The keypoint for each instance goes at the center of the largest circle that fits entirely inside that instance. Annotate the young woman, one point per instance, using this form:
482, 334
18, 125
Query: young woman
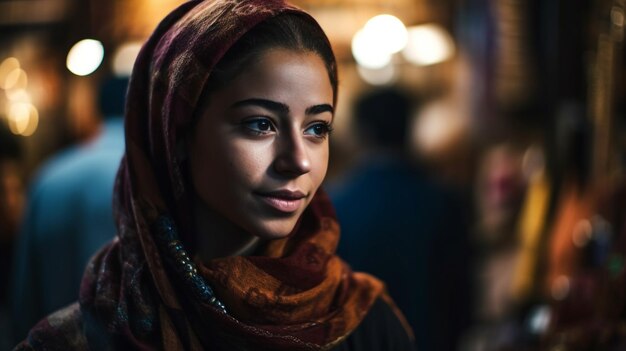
225, 240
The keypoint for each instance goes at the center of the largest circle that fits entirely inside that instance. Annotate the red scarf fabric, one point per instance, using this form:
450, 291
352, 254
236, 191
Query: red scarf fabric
293, 294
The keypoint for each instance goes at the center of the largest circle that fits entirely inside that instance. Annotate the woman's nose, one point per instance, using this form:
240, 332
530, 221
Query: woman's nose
292, 158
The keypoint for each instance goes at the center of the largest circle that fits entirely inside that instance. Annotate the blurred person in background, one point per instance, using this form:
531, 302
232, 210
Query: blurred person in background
11, 204
402, 226
68, 217
499, 191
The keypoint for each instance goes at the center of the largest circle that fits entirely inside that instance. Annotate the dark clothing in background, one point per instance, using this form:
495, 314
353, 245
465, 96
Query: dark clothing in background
69, 216
398, 225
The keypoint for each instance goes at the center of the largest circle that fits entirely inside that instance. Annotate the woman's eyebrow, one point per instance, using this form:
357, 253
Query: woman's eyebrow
317, 109
281, 108
275, 106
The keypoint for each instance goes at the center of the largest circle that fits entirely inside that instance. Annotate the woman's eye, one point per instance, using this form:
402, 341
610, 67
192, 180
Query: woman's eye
319, 130
259, 125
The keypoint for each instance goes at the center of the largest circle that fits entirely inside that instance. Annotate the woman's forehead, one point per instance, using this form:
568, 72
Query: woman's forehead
282, 75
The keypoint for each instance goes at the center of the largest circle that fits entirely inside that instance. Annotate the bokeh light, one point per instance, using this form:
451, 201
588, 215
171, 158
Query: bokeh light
438, 125
560, 288
583, 232
387, 33
15, 80
375, 43
18, 95
124, 58
23, 118
366, 53
428, 44
85, 57
540, 319
7, 66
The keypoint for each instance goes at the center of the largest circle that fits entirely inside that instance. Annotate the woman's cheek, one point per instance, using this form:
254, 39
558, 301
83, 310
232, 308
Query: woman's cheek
250, 161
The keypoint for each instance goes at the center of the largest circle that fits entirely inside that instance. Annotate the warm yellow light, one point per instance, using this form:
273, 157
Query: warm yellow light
33, 122
367, 54
375, 43
428, 44
15, 80
85, 57
17, 95
124, 58
23, 118
7, 66
387, 33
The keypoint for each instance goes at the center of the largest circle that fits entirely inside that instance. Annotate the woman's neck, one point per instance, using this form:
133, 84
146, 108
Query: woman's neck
219, 237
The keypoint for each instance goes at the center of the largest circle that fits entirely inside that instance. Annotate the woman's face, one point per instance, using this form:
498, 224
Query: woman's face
260, 149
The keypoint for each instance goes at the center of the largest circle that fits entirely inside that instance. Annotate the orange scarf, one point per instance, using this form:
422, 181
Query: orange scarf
297, 286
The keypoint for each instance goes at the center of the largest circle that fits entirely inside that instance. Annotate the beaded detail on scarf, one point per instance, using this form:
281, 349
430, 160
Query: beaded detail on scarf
172, 248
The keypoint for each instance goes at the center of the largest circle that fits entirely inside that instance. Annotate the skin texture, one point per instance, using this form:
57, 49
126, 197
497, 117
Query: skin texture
264, 132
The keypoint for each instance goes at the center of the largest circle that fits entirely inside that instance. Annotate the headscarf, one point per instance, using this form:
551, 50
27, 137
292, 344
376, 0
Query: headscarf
143, 291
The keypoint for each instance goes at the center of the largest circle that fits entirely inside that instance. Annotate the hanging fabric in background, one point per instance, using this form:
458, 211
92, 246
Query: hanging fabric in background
586, 276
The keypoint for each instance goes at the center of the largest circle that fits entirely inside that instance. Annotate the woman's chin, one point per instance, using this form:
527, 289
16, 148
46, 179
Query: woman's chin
274, 229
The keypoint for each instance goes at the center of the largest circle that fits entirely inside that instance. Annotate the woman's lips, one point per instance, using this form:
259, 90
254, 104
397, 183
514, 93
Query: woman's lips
283, 200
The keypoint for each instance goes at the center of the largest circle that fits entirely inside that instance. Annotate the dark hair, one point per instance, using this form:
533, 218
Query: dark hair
288, 31
382, 116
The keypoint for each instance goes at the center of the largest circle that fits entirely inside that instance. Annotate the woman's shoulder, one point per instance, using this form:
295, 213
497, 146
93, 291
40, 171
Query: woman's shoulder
62, 330
381, 329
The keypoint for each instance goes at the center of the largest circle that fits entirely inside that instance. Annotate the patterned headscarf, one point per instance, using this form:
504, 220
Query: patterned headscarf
143, 291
